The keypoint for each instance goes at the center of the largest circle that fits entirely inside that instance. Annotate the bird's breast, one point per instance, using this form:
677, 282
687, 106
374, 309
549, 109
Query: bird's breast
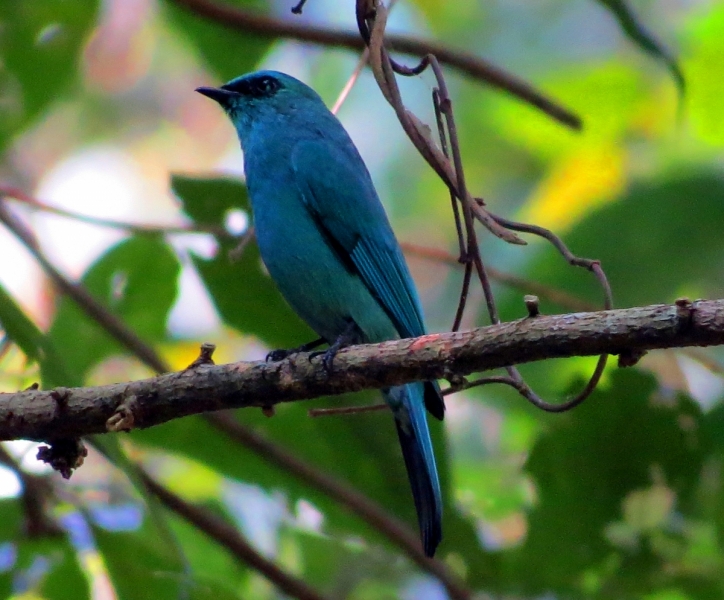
320, 287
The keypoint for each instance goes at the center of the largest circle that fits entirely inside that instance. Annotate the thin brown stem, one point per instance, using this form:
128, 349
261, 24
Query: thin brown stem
361, 64
347, 410
527, 286
18, 195
462, 301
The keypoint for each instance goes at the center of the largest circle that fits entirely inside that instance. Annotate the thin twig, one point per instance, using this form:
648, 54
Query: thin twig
13, 193
517, 381
465, 62
237, 251
361, 64
704, 360
347, 410
371, 20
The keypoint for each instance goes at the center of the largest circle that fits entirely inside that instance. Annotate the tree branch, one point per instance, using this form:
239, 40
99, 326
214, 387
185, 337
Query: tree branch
471, 65
39, 415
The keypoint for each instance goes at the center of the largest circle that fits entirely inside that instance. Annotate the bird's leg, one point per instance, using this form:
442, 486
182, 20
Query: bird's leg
350, 335
277, 355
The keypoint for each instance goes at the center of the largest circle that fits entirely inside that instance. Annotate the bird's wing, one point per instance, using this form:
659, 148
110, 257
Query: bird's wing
340, 196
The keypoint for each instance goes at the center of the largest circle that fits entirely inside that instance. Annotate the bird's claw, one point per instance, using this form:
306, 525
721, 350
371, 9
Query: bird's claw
281, 354
277, 355
327, 357
348, 337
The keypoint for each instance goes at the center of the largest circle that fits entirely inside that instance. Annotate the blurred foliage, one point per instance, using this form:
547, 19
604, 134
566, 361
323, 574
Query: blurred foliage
39, 50
225, 52
621, 498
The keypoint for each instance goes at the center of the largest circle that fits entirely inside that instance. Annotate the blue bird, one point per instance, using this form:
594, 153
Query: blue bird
326, 242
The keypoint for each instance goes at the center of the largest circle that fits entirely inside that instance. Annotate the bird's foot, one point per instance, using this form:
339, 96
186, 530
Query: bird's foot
277, 355
349, 336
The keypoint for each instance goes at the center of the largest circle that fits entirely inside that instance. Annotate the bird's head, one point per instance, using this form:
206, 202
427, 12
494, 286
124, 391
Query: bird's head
260, 96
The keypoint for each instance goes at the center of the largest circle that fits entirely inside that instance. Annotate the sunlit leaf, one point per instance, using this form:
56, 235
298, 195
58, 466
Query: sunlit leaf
705, 95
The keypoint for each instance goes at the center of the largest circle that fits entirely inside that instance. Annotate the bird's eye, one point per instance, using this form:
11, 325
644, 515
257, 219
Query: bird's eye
266, 86
256, 87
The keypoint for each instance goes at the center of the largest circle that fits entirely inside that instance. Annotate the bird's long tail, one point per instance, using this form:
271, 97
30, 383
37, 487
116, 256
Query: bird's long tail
408, 406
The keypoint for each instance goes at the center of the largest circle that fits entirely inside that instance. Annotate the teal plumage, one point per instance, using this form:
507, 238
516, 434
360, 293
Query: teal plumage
326, 242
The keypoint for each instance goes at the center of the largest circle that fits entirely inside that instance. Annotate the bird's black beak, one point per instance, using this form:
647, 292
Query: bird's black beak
221, 96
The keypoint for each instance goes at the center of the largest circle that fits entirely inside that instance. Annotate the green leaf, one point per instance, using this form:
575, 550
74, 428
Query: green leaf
137, 281
243, 293
157, 524
139, 566
34, 343
341, 569
10, 518
228, 52
11, 522
621, 440
208, 558
65, 579
641, 36
40, 46
48, 566
143, 566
